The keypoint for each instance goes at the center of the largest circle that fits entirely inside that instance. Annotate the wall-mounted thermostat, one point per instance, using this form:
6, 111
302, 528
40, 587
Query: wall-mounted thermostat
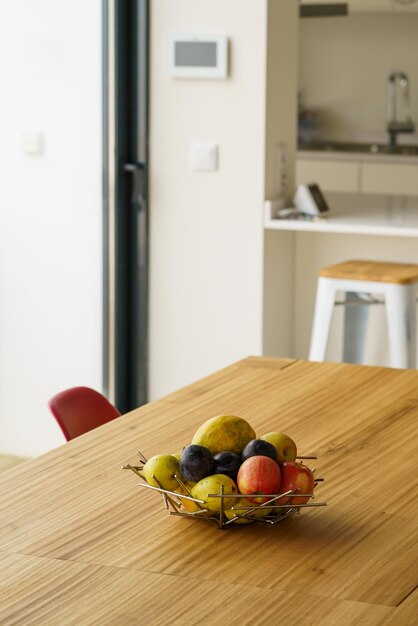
199, 57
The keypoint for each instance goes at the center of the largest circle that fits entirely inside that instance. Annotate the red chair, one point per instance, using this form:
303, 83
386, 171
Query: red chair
80, 409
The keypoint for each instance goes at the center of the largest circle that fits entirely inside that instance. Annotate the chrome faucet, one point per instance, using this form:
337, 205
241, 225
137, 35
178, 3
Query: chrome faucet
395, 126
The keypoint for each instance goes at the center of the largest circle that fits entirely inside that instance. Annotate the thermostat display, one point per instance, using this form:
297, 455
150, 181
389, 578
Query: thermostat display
199, 57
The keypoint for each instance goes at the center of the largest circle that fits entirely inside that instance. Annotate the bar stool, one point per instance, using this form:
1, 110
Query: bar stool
397, 282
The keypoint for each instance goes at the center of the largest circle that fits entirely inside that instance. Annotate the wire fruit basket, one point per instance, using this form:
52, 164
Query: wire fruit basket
273, 508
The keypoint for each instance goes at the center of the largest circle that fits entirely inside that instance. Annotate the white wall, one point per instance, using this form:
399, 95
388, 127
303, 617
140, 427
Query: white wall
207, 243
344, 65
206, 227
50, 213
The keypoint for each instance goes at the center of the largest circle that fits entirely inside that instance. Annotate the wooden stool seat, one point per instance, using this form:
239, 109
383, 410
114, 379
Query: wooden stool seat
375, 271
396, 282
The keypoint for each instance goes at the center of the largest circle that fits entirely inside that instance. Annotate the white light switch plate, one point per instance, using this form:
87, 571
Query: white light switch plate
204, 156
32, 142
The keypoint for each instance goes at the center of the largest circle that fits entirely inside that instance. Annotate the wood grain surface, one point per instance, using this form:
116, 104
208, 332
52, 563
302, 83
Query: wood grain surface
376, 271
81, 543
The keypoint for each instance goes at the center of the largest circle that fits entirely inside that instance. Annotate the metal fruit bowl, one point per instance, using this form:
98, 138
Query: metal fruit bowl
175, 503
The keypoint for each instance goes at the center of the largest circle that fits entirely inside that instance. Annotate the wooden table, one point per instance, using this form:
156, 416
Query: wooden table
81, 543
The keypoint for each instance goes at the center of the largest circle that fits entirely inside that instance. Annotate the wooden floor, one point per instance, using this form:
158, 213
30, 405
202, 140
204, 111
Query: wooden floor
6, 462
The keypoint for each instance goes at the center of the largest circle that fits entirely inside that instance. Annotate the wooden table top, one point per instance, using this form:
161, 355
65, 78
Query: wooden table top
81, 543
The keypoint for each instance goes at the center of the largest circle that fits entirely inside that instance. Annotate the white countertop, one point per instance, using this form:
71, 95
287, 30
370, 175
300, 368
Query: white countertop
352, 213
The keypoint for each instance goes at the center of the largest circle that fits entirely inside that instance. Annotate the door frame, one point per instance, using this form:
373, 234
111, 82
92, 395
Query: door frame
125, 201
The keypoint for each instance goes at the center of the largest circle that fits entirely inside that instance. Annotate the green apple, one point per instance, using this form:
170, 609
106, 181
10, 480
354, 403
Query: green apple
285, 446
160, 469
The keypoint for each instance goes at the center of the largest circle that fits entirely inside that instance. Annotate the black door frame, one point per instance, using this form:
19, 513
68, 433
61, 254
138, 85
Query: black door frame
125, 201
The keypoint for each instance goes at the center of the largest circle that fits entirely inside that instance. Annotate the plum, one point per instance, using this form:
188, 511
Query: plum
196, 462
259, 447
227, 463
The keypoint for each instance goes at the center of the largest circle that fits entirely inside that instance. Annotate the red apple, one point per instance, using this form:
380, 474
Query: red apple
296, 476
258, 475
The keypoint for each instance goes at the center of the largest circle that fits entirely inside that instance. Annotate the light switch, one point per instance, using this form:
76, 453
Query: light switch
32, 142
204, 156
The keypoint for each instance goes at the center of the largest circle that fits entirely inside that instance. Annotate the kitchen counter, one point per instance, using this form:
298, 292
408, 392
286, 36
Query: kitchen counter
359, 214
359, 151
81, 544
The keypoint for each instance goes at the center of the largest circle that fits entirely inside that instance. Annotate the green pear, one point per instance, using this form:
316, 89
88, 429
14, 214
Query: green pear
285, 446
212, 485
160, 469
260, 511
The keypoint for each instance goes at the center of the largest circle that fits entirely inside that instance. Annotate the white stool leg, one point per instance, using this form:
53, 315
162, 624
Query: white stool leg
400, 309
355, 326
324, 307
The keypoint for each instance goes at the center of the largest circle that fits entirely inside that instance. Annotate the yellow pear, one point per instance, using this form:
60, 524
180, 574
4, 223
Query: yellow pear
204, 489
260, 511
160, 469
285, 446
186, 504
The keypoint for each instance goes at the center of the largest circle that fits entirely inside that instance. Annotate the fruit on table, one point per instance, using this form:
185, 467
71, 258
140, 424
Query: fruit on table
285, 446
235, 512
259, 475
196, 462
296, 476
224, 432
163, 467
227, 463
185, 490
225, 456
188, 505
251, 514
212, 485
259, 447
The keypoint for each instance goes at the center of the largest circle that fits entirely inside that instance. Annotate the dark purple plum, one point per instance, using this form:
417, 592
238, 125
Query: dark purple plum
227, 463
259, 447
196, 462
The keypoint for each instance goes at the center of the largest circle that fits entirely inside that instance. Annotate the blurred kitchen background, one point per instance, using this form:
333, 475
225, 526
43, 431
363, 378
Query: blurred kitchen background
344, 65
221, 286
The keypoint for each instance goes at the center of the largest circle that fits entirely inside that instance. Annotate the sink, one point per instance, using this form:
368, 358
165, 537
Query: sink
365, 148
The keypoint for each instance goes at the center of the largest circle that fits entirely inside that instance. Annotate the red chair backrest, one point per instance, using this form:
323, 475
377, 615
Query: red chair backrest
80, 409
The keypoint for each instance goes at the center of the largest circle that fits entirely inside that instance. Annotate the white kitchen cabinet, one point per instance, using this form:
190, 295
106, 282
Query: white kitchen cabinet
364, 176
405, 7
370, 6
382, 6
330, 175
389, 178
320, 2
374, 6
359, 6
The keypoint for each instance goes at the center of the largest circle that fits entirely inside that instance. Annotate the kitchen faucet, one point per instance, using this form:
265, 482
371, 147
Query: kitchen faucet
395, 126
